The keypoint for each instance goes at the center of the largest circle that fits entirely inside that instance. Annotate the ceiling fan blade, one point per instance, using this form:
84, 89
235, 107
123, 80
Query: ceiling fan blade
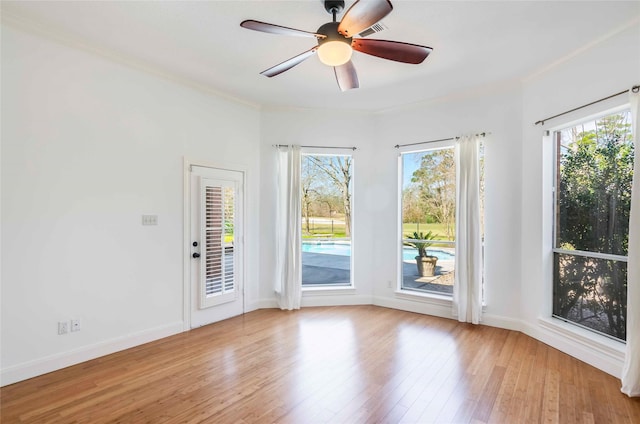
346, 76
392, 50
362, 14
277, 29
289, 63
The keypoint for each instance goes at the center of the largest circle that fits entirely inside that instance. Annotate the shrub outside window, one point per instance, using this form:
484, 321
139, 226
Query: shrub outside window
593, 175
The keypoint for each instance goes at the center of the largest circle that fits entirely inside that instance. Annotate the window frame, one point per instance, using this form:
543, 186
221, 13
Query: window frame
566, 324
400, 291
327, 288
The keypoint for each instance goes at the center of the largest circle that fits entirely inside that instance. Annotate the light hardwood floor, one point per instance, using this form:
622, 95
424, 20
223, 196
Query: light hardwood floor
361, 364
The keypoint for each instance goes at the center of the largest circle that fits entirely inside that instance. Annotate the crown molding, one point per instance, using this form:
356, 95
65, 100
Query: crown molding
550, 66
21, 23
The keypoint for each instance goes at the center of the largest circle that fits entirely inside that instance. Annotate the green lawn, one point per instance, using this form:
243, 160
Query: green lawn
323, 230
338, 230
440, 230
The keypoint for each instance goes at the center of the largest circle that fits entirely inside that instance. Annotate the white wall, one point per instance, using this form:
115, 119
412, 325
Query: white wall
606, 68
322, 128
375, 203
88, 146
498, 113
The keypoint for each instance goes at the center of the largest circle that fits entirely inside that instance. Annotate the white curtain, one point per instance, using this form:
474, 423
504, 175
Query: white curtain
467, 289
288, 284
631, 369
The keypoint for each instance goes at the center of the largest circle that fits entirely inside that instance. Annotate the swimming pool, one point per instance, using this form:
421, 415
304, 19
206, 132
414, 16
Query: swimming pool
344, 249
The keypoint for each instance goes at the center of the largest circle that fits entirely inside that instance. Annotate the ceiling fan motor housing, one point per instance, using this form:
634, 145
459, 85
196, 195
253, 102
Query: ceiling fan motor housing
330, 31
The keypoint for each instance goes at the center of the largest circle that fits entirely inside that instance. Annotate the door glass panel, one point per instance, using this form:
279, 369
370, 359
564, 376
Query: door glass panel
218, 266
228, 242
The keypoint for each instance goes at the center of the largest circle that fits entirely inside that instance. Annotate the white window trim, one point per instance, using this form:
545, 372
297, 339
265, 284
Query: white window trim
313, 290
587, 338
325, 291
593, 340
426, 297
401, 293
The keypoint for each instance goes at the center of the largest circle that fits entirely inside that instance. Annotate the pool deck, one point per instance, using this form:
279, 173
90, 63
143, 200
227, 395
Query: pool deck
320, 269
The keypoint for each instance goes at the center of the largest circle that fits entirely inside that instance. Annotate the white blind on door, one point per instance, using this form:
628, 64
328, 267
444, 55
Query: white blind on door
218, 201
214, 219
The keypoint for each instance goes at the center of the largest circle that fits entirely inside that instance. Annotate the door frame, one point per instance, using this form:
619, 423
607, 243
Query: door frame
186, 232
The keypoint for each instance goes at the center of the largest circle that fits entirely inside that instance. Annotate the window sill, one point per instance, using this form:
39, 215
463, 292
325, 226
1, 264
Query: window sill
424, 297
319, 290
602, 344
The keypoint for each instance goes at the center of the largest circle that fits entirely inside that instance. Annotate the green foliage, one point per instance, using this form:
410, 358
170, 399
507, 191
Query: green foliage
419, 241
432, 196
326, 187
593, 205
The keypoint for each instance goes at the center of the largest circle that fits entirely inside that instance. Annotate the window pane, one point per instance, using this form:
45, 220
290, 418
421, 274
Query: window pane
591, 292
229, 224
428, 221
326, 182
595, 170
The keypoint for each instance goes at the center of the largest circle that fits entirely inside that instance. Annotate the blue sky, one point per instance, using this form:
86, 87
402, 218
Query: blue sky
410, 162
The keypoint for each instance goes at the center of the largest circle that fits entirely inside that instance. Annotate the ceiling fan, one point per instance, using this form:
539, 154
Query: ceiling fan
336, 42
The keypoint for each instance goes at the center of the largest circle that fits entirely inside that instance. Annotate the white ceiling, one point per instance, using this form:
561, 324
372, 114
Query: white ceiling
476, 44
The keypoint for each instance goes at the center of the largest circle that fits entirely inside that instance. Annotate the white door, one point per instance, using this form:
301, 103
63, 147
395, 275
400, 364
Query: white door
216, 244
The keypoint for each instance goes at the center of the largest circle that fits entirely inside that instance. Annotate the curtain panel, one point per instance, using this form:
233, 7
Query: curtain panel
467, 288
631, 369
288, 281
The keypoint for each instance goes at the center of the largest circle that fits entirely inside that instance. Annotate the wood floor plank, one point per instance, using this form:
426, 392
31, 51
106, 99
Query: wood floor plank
351, 364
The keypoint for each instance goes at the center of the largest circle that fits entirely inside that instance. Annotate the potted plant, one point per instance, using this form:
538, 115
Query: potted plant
426, 263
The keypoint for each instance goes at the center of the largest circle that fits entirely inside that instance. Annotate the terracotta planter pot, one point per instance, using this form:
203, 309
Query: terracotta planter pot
426, 265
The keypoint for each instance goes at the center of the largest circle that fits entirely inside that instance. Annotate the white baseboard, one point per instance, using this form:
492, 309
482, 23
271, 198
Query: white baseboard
30, 369
502, 322
261, 304
598, 351
314, 298
427, 306
319, 299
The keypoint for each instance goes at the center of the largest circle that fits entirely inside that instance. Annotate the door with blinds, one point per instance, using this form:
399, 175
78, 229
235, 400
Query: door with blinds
216, 233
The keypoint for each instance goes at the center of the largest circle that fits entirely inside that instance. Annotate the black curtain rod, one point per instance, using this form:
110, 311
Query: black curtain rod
635, 89
319, 147
397, 146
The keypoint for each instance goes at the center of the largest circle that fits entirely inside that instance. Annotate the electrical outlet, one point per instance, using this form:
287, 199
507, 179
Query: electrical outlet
63, 327
388, 284
75, 325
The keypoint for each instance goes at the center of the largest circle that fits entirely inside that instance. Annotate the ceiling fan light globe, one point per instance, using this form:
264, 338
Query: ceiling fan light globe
335, 53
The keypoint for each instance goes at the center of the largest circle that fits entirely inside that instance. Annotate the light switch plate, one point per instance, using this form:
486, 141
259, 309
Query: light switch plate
149, 219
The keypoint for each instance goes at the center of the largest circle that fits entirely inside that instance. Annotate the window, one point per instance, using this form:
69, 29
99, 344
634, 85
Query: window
593, 174
327, 211
428, 215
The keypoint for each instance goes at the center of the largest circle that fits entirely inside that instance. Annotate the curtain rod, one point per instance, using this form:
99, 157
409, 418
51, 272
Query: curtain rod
397, 146
635, 89
318, 147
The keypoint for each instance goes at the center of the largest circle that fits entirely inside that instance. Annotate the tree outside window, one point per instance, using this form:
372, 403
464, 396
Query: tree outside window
594, 171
